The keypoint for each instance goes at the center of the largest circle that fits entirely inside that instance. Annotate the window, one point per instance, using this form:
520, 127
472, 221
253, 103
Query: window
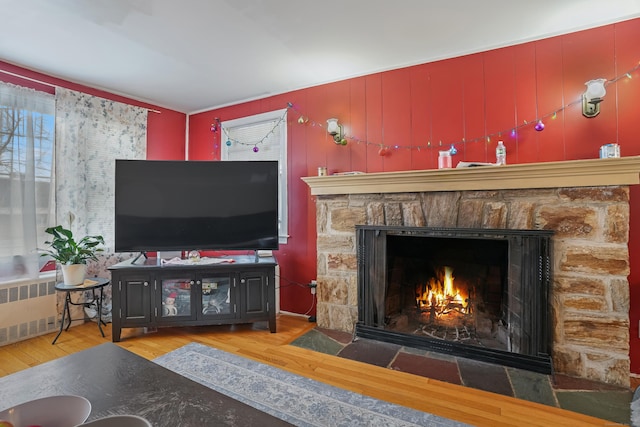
27, 119
261, 137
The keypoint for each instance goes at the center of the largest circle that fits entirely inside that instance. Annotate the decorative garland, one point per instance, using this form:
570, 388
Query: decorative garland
230, 141
384, 149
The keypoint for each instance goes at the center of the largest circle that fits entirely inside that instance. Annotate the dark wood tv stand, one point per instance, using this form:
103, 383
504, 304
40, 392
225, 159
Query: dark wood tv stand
239, 289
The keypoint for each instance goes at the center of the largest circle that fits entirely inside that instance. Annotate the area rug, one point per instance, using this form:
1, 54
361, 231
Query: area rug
635, 408
293, 398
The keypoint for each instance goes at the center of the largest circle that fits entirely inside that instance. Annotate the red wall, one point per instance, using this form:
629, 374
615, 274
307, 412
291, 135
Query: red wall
166, 129
425, 108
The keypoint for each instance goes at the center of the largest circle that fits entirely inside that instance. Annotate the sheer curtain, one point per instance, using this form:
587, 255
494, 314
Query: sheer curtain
91, 133
26, 177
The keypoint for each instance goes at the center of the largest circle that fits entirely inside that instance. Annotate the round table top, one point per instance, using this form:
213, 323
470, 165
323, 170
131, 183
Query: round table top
89, 283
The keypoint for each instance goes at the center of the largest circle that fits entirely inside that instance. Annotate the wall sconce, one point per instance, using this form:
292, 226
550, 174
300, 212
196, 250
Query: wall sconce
592, 97
335, 130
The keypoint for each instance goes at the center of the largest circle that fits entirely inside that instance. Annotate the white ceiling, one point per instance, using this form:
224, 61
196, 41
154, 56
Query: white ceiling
194, 55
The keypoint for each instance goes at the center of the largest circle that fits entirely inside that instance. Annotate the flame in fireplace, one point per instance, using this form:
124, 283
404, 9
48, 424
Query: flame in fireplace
440, 296
448, 282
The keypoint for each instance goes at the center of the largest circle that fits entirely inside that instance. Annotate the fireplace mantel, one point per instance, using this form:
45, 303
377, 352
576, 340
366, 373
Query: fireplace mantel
573, 173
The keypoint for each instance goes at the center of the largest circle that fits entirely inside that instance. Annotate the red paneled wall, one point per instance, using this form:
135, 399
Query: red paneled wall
471, 102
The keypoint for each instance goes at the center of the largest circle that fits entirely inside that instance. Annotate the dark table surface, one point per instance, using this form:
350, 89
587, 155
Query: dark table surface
117, 381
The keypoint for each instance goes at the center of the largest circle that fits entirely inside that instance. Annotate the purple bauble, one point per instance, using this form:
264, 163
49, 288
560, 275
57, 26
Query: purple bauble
256, 149
539, 126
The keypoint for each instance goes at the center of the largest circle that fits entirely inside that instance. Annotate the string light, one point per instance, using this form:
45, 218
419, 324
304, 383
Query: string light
384, 149
215, 124
230, 141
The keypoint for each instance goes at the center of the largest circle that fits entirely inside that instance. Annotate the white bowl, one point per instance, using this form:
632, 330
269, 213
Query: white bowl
53, 411
118, 421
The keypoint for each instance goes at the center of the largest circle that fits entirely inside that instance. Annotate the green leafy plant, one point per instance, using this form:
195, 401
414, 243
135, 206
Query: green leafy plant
65, 250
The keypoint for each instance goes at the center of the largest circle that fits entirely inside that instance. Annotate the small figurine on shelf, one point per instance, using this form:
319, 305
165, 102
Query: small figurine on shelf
169, 306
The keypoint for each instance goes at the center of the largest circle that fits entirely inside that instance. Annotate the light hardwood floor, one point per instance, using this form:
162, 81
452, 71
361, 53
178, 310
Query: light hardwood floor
460, 403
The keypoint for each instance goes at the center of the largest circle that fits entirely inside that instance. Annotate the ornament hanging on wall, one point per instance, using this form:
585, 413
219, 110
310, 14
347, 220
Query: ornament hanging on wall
214, 125
539, 126
253, 145
383, 151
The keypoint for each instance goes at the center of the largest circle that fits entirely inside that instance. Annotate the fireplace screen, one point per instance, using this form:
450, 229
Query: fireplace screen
474, 293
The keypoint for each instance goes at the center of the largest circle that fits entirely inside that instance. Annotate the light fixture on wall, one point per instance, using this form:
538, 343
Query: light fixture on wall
592, 97
335, 130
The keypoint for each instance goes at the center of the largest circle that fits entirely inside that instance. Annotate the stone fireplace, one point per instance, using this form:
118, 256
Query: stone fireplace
585, 204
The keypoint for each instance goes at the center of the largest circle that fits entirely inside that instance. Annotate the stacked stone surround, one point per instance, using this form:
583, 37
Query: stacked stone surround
590, 293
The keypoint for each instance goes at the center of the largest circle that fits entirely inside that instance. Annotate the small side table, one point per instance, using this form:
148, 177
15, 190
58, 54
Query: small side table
91, 284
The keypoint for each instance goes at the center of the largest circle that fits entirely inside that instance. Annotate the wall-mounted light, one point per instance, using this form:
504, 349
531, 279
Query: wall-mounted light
335, 130
592, 97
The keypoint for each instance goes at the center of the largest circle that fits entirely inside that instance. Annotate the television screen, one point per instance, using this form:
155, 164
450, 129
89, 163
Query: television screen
187, 205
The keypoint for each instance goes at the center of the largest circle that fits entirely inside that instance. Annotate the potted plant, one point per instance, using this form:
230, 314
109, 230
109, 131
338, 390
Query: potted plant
71, 254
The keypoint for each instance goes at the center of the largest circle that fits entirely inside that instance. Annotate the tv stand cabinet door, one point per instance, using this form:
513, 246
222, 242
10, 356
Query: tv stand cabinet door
258, 297
134, 297
175, 301
218, 298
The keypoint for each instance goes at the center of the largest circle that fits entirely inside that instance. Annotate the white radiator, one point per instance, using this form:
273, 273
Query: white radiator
27, 309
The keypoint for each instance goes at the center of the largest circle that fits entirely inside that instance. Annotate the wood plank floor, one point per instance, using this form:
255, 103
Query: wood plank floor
460, 403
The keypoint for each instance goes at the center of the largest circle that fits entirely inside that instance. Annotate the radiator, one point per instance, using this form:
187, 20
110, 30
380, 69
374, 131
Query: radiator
27, 309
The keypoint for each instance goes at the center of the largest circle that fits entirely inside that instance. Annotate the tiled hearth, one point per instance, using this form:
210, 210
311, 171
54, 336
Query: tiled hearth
592, 398
586, 204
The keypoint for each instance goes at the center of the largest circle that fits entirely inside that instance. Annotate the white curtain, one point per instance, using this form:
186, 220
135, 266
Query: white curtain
91, 133
26, 175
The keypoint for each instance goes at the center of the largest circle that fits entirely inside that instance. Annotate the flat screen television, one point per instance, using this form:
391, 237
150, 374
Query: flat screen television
195, 205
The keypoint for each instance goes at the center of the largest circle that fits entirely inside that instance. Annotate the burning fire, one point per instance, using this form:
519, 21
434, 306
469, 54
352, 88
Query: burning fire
441, 296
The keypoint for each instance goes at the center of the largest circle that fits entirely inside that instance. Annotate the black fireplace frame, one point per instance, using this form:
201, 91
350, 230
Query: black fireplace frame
529, 285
